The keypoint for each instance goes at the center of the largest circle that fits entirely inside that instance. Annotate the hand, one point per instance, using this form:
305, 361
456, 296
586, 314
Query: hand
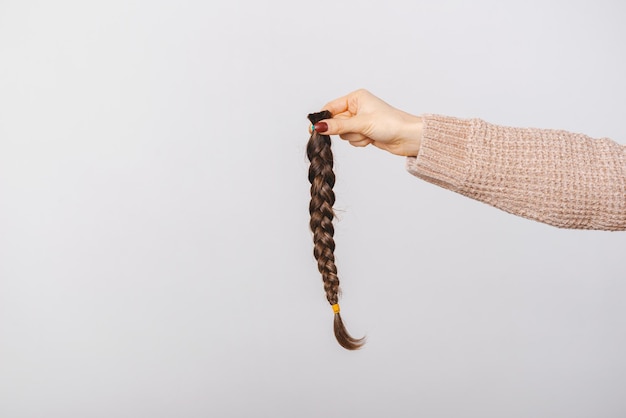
362, 119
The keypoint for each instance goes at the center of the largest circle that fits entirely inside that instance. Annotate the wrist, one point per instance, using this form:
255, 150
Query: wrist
412, 135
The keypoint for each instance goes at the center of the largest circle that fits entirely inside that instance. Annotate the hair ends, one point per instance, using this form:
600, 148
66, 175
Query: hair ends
343, 338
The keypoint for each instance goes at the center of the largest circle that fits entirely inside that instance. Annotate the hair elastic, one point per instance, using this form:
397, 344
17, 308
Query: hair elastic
335, 308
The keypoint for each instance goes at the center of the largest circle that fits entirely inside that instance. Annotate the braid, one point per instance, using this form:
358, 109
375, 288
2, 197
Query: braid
322, 179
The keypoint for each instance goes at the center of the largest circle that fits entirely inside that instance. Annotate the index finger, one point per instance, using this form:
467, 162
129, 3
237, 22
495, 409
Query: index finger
337, 106
348, 103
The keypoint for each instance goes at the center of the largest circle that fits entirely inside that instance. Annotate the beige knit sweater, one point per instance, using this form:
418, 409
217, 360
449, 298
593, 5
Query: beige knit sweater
560, 178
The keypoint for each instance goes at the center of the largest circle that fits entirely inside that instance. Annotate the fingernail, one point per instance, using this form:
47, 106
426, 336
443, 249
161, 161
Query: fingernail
321, 127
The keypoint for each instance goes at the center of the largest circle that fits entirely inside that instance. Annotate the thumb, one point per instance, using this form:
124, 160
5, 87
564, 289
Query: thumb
338, 126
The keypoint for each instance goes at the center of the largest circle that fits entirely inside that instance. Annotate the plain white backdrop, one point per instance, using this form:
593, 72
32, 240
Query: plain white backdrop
155, 258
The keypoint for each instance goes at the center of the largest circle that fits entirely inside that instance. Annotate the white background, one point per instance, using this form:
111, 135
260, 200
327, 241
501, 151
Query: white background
155, 258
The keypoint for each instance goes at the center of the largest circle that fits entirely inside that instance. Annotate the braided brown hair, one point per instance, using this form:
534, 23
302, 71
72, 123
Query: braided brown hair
322, 179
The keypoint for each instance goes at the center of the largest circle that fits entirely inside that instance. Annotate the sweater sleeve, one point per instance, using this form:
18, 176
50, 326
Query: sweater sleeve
560, 178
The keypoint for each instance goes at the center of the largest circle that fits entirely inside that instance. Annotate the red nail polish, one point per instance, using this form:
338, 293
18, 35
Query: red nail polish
321, 127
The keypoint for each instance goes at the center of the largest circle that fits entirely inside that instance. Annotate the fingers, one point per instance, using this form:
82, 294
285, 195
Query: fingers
336, 126
346, 121
337, 106
353, 137
362, 143
348, 103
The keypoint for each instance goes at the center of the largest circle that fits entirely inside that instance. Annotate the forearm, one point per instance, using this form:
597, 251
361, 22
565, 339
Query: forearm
556, 177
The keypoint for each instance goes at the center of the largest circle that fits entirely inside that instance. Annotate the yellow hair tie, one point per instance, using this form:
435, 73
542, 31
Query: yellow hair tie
335, 308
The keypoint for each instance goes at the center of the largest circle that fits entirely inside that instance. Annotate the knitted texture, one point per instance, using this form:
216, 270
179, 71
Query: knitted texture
560, 178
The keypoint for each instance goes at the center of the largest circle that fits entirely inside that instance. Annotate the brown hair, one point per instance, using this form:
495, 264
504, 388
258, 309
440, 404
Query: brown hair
322, 179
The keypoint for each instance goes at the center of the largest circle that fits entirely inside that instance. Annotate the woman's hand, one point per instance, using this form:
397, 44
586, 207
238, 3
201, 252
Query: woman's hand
362, 119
